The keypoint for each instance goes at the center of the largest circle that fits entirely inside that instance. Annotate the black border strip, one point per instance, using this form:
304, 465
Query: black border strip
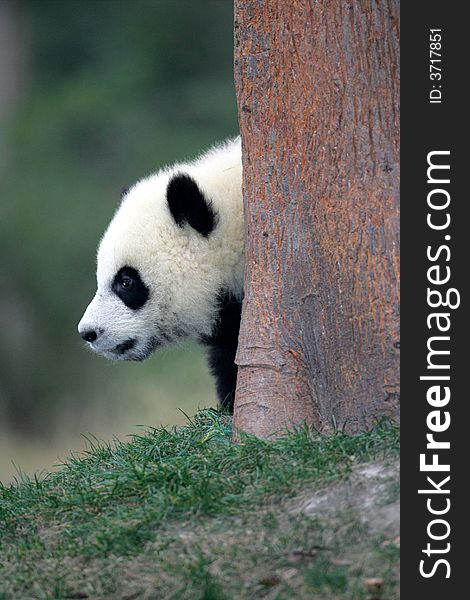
427, 127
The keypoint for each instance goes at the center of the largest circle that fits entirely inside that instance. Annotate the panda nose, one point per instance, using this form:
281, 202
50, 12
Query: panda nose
89, 335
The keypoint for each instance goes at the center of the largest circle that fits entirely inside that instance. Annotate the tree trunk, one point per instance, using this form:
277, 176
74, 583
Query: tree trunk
318, 92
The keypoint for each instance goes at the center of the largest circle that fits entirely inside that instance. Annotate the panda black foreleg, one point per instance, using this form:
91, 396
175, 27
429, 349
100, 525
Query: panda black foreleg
222, 366
222, 347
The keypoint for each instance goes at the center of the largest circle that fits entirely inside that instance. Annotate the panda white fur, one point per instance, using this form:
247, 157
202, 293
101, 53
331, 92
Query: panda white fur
170, 266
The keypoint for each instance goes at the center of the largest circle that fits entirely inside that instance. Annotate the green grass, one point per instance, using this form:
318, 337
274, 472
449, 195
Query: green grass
186, 513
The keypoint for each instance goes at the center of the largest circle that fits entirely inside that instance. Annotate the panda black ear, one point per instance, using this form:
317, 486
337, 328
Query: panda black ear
188, 204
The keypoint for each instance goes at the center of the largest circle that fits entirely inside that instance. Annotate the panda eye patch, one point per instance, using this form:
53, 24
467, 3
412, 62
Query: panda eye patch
130, 288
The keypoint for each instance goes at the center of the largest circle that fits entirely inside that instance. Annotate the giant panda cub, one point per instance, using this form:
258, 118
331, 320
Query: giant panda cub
170, 266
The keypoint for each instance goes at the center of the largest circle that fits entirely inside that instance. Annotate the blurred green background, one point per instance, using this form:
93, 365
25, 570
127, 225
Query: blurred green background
94, 94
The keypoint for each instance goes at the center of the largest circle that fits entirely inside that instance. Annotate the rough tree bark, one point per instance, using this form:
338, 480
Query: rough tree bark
318, 91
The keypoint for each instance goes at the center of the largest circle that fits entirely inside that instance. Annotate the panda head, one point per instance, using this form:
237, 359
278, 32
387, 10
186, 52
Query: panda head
174, 243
